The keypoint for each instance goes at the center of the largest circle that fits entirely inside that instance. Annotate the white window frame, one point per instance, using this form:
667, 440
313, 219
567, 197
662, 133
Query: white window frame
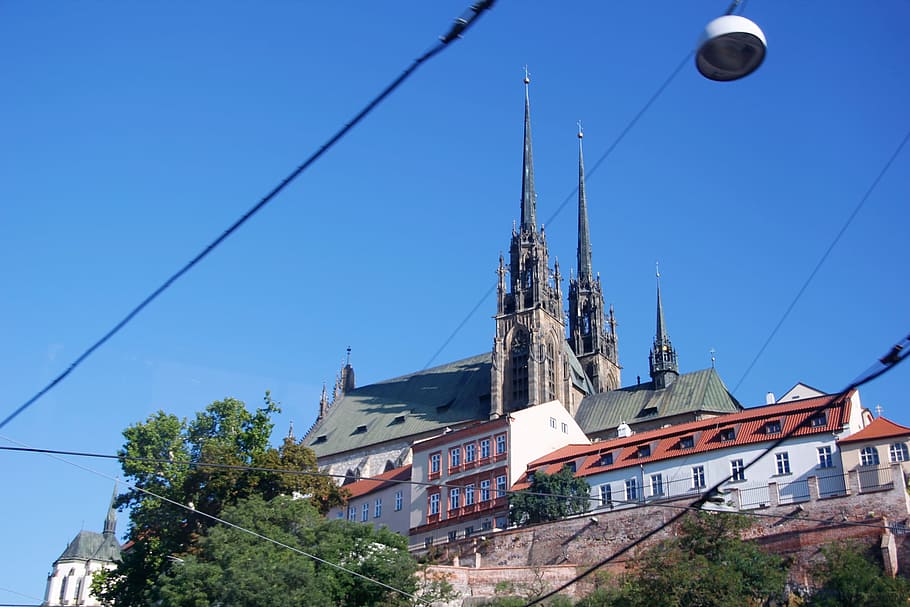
698, 477
782, 461
825, 457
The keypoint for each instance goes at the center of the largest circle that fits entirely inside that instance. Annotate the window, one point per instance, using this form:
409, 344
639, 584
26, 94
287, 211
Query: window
428, 542
484, 491
486, 524
352, 513
519, 368
485, 448
571, 466
819, 419
565, 428
454, 498
698, 477
551, 373
398, 420
500, 486
657, 484
605, 460
632, 489
783, 462
553, 422
469, 495
360, 430
726, 434
737, 470
455, 457
470, 453
468, 531
398, 500
898, 452
453, 535
365, 512
434, 503
644, 450
434, 463
824, 458
687, 442
869, 456
772, 427
606, 495
500, 444
377, 508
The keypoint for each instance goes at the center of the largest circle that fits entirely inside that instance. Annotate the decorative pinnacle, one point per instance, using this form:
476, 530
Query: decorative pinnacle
657, 269
527, 75
581, 132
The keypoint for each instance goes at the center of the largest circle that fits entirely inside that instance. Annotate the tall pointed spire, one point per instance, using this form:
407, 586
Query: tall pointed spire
663, 363
585, 275
528, 195
110, 521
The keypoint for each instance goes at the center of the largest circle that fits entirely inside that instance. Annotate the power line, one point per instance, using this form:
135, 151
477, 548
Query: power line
232, 525
897, 354
823, 258
461, 25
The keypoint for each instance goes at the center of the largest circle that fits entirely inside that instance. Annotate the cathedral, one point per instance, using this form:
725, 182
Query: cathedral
542, 352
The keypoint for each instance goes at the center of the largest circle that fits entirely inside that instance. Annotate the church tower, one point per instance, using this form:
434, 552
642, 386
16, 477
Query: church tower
664, 368
592, 334
529, 358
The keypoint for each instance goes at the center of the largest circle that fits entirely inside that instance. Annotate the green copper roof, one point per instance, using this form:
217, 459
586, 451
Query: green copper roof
400, 408
89, 545
701, 391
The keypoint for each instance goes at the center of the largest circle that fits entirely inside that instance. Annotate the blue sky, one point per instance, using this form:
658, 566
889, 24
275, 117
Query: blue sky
131, 134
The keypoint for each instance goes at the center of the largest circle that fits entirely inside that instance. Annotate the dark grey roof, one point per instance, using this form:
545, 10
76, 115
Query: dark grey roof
89, 545
700, 391
406, 406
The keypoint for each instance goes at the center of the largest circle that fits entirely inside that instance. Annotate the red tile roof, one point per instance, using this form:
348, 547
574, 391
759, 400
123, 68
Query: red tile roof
367, 486
879, 428
748, 426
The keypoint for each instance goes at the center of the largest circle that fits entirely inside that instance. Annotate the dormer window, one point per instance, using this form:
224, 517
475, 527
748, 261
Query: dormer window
726, 434
360, 430
818, 419
644, 451
605, 460
320, 439
398, 420
570, 466
772, 427
686, 442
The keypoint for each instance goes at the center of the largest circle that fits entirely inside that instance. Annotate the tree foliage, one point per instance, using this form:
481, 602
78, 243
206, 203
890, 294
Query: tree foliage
235, 568
848, 577
549, 498
163, 455
706, 565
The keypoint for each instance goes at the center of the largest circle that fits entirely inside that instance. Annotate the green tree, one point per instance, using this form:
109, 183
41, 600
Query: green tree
850, 578
164, 456
550, 497
706, 565
232, 567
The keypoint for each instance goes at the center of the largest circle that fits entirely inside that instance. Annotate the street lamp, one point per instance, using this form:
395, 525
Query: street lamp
730, 48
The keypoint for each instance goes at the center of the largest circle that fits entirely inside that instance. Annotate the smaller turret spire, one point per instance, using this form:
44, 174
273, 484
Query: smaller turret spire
528, 195
663, 363
110, 521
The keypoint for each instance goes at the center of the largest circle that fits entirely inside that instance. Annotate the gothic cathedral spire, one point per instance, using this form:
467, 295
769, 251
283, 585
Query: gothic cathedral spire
528, 350
663, 364
592, 334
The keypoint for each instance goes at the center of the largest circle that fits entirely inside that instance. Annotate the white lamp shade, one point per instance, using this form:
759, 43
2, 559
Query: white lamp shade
730, 47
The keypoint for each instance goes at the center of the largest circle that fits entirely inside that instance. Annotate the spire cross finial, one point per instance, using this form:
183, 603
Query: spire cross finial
713, 358
581, 131
878, 410
527, 75
657, 269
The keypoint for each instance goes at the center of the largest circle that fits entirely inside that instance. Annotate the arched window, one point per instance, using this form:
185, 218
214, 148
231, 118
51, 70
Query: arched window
389, 465
869, 456
349, 477
551, 371
519, 368
898, 452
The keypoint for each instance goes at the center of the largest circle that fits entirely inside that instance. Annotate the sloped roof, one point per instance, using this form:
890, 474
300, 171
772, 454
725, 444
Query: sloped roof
90, 545
879, 428
700, 391
400, 408
381, 481
749, 426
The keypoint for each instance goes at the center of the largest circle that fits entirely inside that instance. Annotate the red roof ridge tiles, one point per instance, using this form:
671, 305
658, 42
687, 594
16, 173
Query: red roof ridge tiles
877, 428
380, 481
